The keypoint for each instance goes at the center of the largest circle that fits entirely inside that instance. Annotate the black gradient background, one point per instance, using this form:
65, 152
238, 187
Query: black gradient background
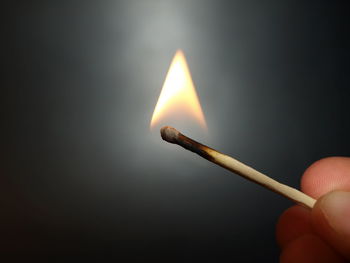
81, 174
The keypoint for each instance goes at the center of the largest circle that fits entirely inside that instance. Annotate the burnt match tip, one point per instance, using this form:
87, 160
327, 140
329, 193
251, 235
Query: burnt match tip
169, 134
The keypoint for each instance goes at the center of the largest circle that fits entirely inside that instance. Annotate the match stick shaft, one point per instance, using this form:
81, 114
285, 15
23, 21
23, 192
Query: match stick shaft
237, 167
248, 172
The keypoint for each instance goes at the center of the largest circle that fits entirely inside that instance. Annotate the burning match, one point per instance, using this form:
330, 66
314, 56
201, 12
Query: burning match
172, 135
178, 94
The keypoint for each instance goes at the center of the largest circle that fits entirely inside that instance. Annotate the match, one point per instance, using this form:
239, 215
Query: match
172, 135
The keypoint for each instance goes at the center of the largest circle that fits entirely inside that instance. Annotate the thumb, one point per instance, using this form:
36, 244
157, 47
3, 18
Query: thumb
330, 219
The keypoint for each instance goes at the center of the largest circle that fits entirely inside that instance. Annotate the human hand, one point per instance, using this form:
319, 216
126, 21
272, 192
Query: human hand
323, 233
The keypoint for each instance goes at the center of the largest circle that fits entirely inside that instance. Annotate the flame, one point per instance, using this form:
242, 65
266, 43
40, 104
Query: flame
178, 95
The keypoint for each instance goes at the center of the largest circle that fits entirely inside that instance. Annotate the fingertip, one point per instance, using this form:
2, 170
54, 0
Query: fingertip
330, 220
293, 223
326, 175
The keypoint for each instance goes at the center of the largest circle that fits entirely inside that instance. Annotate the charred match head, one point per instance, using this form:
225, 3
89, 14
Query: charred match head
169, 134
172, 135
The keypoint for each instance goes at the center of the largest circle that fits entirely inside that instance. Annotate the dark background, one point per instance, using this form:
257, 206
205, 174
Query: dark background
81, 173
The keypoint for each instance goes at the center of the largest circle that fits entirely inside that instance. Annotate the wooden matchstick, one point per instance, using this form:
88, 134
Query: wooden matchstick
172, 135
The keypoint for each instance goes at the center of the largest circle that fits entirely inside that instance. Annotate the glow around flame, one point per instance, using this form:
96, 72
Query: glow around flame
178, 95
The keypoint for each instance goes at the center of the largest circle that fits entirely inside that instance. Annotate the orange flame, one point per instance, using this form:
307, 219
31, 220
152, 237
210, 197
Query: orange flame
178, 95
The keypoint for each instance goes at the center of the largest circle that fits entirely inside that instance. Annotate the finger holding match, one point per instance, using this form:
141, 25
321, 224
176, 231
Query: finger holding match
172, 135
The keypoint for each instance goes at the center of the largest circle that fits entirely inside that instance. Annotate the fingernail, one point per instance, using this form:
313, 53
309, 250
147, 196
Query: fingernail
336, 208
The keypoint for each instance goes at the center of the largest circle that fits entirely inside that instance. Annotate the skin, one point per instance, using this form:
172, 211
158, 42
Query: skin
323, 233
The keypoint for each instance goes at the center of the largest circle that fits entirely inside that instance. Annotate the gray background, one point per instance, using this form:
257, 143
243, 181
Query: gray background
83, 175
